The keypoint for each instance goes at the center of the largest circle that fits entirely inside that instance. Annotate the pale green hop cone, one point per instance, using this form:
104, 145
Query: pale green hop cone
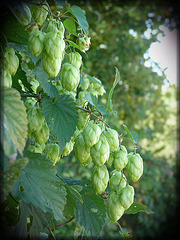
134, 167
100, 178
36, 42
126, 196
100, 151
112, 138
120, 158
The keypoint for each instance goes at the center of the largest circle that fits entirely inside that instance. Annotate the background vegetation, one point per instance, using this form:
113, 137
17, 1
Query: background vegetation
117, 34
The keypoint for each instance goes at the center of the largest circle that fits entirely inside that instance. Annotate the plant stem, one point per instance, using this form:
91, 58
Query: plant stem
61, 224
51, 232
29, 95
91, 113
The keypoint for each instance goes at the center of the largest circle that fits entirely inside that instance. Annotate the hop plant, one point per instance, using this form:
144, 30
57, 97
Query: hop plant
120, 158
42, 135
36, 42
74, 58
134, 167
82, 152
91, 134
100, 151
112, 138
54, 45
51, 66
30, 102
39, 13
11, 61
52, 152
100, 178
114, 208
84, 43
70, 76
126, 196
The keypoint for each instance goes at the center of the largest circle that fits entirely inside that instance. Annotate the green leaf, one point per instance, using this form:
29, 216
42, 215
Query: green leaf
70, 26
15, 121
138, 207
14, 31
117, 79
79, 14
92, 213
43, 79
64, 112
60, 3
39, 186
40, 221
10, 174
132, 134
93, 79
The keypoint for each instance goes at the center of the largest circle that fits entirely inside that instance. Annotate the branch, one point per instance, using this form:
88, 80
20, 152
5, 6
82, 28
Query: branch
61, 224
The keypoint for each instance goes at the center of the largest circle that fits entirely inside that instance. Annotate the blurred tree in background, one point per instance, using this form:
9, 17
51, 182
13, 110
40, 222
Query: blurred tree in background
117, 30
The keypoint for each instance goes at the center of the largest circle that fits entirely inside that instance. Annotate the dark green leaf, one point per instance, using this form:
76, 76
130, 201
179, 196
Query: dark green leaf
79, 14
91, 99
64, 112
70, 26
43, 79
39, 186
60, 3
92, 213
15, 121
40, 220
138, 207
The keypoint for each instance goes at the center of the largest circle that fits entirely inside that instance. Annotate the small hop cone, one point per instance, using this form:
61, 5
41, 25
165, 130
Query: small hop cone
126, 196
112, 138
115, 180
91, 134
39, 13
36, 42
52, 152
82, 152
74, 58
100, 178
11, 61
70, 76
100, 151
120, 158
42, 135
51, 66
134, 167
84, 43
54, 45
